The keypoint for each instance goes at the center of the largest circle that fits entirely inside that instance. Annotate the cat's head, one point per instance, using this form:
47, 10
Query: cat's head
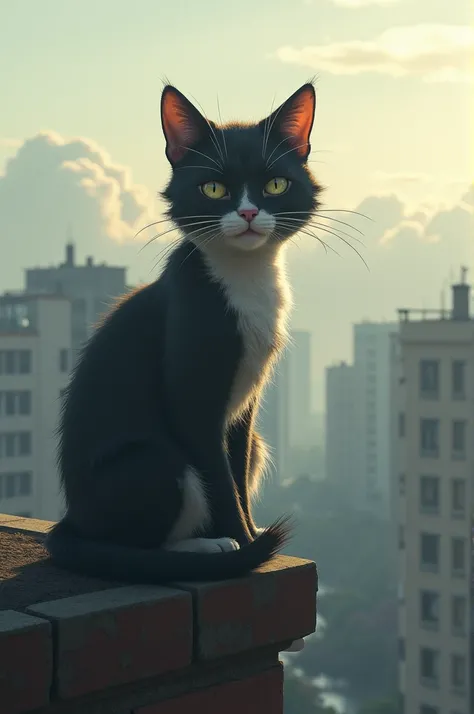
243, 186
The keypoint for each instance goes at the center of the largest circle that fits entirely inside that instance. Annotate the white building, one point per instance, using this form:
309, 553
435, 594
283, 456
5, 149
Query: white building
91, 288
341, 446
359, 416
35, 353
435, 487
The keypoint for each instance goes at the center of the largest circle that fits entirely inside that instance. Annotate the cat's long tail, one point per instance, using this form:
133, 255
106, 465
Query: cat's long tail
157, 566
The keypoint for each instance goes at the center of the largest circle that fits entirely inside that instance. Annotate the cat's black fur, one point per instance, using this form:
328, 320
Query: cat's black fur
149, 395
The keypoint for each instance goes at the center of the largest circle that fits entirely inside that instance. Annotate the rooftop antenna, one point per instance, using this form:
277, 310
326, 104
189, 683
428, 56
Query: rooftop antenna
464, 271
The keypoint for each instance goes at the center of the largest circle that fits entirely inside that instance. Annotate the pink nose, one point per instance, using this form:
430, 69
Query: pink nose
248, 214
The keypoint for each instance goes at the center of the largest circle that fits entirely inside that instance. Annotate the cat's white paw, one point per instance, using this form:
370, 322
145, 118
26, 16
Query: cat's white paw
205, 545
296, 646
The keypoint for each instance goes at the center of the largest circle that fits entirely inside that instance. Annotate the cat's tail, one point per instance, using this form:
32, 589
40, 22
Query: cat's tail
70, 551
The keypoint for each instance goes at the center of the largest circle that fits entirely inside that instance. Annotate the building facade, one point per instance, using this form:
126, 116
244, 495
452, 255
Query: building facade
435, 507
35, 356
91, 287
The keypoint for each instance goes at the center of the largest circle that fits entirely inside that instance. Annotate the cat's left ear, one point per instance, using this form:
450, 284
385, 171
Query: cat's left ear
294, 120
183, 125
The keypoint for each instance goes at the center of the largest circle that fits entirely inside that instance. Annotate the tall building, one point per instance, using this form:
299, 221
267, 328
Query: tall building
359, 417
299, 387
35, 353
91, 288
340, 432
435, 507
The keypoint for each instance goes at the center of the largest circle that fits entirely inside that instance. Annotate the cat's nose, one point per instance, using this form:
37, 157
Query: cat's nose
248, 214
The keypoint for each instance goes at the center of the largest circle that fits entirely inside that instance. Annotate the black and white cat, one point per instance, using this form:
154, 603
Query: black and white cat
158, 452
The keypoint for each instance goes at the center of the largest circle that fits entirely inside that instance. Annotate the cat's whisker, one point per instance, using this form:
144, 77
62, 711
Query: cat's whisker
176, 228
168, 220
341, 238
265, 127
221, 128
270, 127
295, 148
276, 147
206, 156
213, 133
209, 168
342, 210
337, 231
325, 245
201, 244
165, 252
320, 215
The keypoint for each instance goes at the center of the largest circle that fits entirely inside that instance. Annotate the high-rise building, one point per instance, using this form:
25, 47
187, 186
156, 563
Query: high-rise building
435, 507
91, 287
35, 354
359, 418
299, 389
341, 447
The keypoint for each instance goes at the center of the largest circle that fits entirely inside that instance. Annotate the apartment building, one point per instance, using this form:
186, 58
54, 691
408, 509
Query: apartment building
91, 288
359, 419
435, 464
35, 354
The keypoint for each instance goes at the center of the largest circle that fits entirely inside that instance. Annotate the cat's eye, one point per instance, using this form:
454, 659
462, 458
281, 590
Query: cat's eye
276, 186
214, 189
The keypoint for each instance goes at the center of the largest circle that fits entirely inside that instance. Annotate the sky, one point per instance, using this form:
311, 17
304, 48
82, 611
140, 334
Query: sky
82, 152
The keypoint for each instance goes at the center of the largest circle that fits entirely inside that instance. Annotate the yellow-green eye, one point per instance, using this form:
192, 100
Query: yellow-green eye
276, 186
214, 189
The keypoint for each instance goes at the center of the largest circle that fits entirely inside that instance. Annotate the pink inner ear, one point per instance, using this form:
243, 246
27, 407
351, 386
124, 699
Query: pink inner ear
178, 127
297, 122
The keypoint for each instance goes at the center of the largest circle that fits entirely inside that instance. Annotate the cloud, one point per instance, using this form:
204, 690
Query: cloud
52, 186
7, 142
433, 52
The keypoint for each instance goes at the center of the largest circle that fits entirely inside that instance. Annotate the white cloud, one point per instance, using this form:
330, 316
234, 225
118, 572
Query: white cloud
53, 184
434, 52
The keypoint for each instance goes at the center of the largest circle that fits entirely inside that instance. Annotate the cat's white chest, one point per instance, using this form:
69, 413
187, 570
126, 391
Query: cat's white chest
259, 294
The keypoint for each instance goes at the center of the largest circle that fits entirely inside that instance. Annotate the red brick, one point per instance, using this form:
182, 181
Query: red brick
26, 657
116, 636
275, 604
260, 694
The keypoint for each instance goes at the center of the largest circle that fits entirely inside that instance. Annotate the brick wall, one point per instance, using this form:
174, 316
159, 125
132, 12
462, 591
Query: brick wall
76, 645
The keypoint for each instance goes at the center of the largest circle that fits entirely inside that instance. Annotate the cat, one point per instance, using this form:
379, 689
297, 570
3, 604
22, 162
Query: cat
158, 453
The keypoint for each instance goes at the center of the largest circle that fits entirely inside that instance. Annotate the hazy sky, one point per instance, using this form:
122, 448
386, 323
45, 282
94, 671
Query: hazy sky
80, 83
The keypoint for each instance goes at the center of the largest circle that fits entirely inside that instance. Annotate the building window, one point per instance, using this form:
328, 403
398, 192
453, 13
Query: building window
429, 609
429, 438
15, 403
401, 649
63, 360
24, 403
458, 379
429, 555
15, 443
458, 444
458, 671
458, 557
15, 484
401, 425
15, 362
429, 378
429, 665
458, 497
402, 484
429, 494
401, 538
428, 709
458, 615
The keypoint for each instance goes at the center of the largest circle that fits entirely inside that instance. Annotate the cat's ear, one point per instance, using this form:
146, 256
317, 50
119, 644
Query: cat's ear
294, 120
183, 125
